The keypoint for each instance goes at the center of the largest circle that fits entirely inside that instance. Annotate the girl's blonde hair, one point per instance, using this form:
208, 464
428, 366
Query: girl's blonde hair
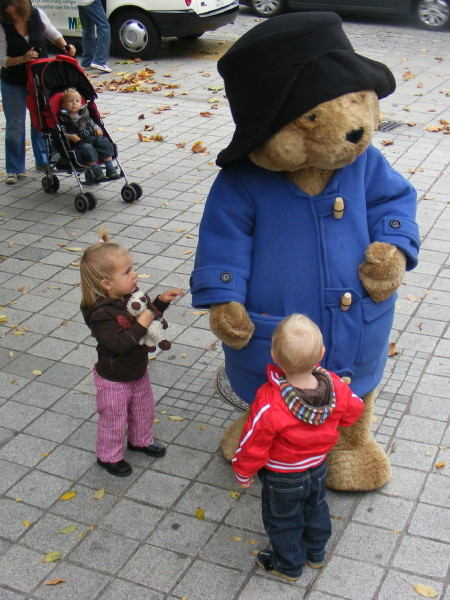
97, 263
297, 344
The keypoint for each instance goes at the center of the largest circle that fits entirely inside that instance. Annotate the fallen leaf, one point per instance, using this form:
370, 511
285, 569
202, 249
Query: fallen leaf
387, 142
150, 138
236, 538
55, 582
68, 495
392, 350
53, 287
181, 145
91, 528
10, 354
75, 264
143, 276
164, 412
18, 332
26, 523
200, 312
397, 531
198, 148
420, 84
156, 420
440, 464
393, 448
425, 591
70, 249
69, 529
252, 542
44, 454
202, 427
149, 127
175, 418
206, 114
200, 514
140, 117
98, 495
410, 297
442, 447
186, 252
36, 372
234, 495
3, 318
52, 556
408, 75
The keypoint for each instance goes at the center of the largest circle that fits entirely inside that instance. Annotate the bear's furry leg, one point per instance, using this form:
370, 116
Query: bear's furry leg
357, 463
232, 434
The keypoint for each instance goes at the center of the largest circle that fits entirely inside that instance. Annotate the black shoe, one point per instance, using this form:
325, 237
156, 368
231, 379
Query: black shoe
155, 449
99, 176
264, 560
112, 173
119, 469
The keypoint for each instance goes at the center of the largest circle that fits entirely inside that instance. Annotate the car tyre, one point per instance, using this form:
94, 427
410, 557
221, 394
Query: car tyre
134, 35
433, 14
268, 8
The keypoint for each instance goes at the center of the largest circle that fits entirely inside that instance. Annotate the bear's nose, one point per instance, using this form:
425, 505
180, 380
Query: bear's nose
355, 135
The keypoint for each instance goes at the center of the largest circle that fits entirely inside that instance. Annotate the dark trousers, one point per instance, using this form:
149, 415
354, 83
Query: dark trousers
97, 148
296, 517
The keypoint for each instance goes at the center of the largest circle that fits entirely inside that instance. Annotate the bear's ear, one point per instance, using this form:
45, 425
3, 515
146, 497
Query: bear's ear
284, 151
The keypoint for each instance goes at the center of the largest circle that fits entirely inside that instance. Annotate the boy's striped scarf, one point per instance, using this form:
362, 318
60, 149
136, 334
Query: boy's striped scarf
314, 415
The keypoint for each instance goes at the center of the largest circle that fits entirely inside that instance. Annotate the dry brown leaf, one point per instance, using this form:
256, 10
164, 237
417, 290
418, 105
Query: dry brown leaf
150, 138
140, 117
408, 75
440, 465
36, 372
206, 114
175, 418
187, 252
181, 145
72, 249
387, 142
198, 148
410, 297
149, 127
55, 582
392, 350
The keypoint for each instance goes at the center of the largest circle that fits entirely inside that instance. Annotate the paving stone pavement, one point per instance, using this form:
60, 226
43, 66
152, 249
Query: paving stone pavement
142, 539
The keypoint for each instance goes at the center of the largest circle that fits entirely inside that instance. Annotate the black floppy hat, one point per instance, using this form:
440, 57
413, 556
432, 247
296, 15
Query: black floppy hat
285, 66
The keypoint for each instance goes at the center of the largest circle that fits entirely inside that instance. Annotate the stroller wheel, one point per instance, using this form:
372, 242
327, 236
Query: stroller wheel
137, 188
50, 185
91, 200
81, 203
128, 194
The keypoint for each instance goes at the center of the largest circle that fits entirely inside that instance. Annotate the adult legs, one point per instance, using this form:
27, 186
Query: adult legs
38, 147
95, 15
14, 107
87, 36
141, 413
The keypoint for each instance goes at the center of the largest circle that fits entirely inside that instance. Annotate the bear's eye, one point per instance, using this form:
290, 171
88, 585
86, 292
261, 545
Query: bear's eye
311, 117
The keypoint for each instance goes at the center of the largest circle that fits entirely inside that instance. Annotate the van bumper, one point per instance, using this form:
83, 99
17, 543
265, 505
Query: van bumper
183, 23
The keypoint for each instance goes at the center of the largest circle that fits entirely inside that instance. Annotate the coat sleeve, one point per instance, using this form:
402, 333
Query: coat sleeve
224, 252
256, 440
391, 207
107, 331
353, 403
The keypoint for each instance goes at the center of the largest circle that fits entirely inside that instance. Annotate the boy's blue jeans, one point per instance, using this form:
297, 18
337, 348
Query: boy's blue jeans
296, 517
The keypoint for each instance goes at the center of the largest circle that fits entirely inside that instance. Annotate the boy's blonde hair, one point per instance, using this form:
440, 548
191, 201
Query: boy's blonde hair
67, 92
98, 263
297, 344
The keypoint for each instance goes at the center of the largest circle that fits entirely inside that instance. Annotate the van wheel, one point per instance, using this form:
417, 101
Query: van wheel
135, 35
433, 14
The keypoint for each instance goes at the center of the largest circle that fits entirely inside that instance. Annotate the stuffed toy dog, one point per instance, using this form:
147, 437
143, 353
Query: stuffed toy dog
137, 302
306, 216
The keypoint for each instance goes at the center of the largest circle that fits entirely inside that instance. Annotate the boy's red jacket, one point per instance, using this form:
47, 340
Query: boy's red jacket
274, 438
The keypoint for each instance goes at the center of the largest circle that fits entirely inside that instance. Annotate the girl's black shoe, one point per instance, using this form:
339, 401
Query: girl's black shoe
119, 469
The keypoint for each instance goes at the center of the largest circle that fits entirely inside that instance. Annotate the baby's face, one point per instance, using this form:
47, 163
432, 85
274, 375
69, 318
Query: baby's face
72, 103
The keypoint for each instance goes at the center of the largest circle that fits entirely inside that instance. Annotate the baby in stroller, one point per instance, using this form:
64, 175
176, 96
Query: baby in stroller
84, 135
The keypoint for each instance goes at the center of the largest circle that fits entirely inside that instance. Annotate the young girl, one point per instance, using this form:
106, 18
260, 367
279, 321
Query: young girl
124, 393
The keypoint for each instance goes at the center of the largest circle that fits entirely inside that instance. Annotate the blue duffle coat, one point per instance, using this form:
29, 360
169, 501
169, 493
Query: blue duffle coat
264, 243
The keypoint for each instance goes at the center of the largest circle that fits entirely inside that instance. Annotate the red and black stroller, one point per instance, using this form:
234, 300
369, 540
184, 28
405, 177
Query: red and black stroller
47, 78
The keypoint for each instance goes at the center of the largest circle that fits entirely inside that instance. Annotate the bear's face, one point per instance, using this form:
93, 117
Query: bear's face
330, 136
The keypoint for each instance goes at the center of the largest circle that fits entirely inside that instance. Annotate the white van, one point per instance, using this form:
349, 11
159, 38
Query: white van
137, 26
